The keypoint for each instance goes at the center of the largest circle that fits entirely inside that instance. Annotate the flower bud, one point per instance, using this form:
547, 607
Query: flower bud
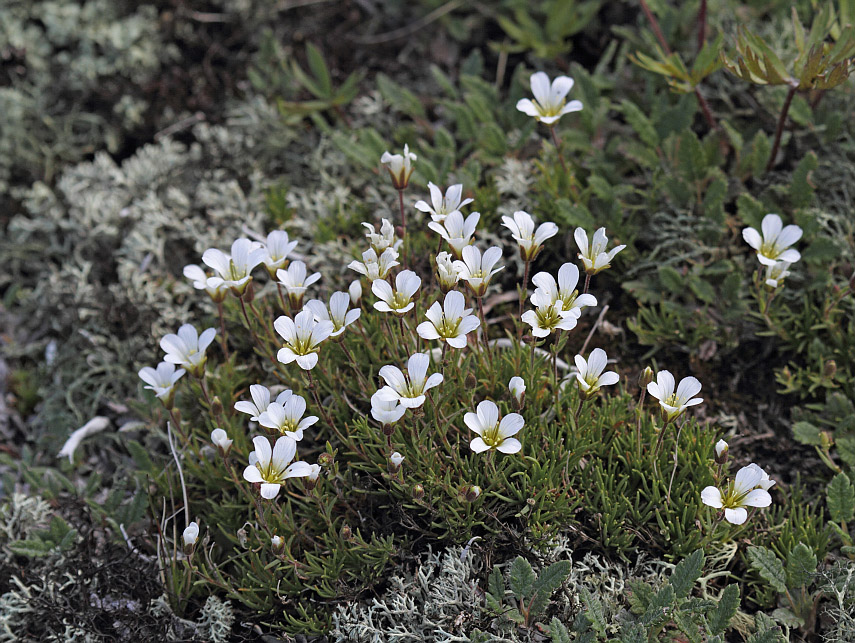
517, 389
355, 292
277, 544
645, 377
418, 492
216, 406
326, 459
468, 493
721, 452
830, 369
221, 440
825, 440
311, 480
190, 536
395, 461
471, 381
346, 533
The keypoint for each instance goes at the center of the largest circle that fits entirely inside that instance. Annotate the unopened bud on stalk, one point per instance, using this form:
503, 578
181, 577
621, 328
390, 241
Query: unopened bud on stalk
326, 460
471, 381
395, 461
517, 389
311, 480
190, 536
355, 292
721, 452
221, 440
645, 377
825, 440
418, 492
468, 493
346, 533
277, 544
830, 369
217, 406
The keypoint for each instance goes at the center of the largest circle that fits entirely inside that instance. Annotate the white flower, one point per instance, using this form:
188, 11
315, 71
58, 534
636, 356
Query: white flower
776, 273
531, 240
271, 468
565, 292
302, 336
450, 322
477, 270
400, 167
373, 267
161, 380
456, 230
774, 244
399, 300
191, 534
296, 281
384, 239
355, 292
720, 447
337, 312
396, 459
276, 251
409, 390
386, 411
674, 404
746, 490
590, 376
442, 206
446, 274
187, 348
550, 100
493, 434
260, 401
517, 388
549, 317
214, 286
595, 257
287, 418
277, 543
234, 269
221, 440
314, 473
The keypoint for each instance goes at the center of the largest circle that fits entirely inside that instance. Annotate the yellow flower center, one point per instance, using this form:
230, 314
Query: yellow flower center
492, 437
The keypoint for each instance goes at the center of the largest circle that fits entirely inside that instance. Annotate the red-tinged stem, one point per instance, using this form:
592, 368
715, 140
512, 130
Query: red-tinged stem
587, 283
523, 298
558, 149
223, 336
782, 119
484, 331
702, 25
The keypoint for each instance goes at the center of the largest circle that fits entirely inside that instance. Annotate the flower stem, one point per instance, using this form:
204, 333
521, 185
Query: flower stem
403, 224
782, 119
484, 330
523, 298
317, 399
639, 411
702, 25
557, 144
223, 336
587, 283
674, 470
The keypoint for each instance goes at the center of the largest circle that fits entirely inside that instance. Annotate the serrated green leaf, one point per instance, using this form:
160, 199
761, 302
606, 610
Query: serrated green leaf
521, 578
399, 97
496, 584
32, 547
141, 457
840, 497
769, 567
728, 603
687, 624
846, 449
767, 636
658, 612
671, 279
558, 631
686, 573
801, 188
640, 595
319, 70
786, 617
594, 610
806, 433
801, 566
633, 634
642, 125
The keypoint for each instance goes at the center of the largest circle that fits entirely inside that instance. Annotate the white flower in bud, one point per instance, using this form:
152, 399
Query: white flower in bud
400, 167
396, 459
446, 273
442, 206
277, 543
314, 473
720, 447
355, 292
191, 534
517, 388
221, 440
384, 239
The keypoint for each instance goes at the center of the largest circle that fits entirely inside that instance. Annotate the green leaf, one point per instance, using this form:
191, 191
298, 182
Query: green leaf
806, 433
686, 573
801, 566
640, 595
31, 548
319, 70
496, 584
594, 613
399, 97
671, 279
801, 187
728, 603
547, 582
657, 612
642, 125
769, 567
767, 636
558, 631
634, 634
846, 449
840, 497
787, 617
521, 578
141, 457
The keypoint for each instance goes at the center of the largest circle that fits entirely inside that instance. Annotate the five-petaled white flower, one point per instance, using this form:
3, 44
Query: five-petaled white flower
776, 273
564, 292
271, 468
187, 348
214, 286
276, 251
221, 440
456, 230
302, 336
400, 167
409, 390
260, 401
386, 238
442, 206
190, 534
386, 411
774, 244
449, 322
550, 99
529, 237
399, 300
375, 267
296, 281
595, 256
162, 380
748, 489
287, 418
477, 270
337, 312
590, 376
549, 317
493, 434
446, 275
674, 403
234, 269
